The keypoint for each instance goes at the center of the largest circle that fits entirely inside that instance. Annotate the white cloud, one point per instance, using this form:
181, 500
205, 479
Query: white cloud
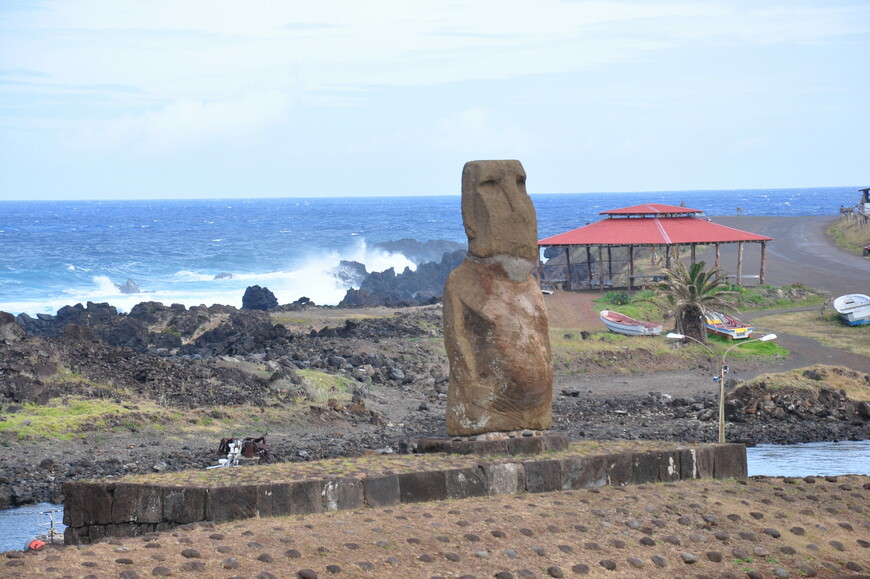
186, 123
210, 48
430, 82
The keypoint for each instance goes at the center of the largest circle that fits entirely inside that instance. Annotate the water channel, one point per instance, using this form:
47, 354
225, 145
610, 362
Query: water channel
20, 525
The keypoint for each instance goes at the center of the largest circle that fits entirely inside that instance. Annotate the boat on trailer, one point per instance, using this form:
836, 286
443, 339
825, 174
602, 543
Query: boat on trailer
854, 309
622, 324
725, 325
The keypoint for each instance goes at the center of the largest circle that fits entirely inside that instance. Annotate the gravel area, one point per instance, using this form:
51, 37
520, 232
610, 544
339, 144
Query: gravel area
757, 527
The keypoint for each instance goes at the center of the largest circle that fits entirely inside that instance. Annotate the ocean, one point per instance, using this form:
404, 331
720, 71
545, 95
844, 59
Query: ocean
57, 253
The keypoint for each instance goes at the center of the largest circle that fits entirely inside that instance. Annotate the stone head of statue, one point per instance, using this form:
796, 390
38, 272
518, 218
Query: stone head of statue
497, 212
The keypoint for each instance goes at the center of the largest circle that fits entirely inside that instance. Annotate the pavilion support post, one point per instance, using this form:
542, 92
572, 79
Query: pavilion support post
568, 268
762, 272
630, 266
693, 254
610, 265
600, 268
739, 262
718, 256
589, 266
667, 257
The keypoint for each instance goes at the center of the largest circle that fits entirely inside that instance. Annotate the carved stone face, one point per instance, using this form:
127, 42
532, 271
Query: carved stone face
497, 212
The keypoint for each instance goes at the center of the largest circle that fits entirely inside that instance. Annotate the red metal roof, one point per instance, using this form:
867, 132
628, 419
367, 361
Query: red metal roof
652, 231
650, 209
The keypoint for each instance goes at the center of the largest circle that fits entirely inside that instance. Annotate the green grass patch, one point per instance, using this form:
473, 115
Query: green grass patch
744, 348
62, 419
322, 386
637, 305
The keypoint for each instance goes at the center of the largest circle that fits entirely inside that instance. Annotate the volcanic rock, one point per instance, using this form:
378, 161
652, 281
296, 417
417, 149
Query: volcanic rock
258, 298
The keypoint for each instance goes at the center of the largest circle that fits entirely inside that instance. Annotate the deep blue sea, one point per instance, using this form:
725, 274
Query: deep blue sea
56, 253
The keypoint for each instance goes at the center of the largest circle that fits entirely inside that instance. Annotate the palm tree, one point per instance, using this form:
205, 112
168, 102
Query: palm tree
687, 294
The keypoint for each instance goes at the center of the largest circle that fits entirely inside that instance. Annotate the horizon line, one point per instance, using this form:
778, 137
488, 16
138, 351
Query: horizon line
652, 192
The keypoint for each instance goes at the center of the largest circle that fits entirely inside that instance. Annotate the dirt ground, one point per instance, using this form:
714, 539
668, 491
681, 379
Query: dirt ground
758, 527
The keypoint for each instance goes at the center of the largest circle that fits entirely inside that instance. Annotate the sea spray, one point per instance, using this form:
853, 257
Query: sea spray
315, 277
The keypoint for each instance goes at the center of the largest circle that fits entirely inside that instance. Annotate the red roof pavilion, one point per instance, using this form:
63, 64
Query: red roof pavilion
654, 224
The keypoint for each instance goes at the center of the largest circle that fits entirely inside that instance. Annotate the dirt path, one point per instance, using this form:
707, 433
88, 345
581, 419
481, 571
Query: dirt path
573, 310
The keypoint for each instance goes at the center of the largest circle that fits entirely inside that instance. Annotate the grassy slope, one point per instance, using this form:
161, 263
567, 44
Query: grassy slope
849, 235
853, 383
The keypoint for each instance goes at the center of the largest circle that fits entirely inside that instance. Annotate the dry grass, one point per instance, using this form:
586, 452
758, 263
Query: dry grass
829, 330
370, 465
853, 383
725, 527
849, 235
306, 319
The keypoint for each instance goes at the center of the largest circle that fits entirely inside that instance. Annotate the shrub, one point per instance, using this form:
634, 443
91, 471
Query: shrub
618, 298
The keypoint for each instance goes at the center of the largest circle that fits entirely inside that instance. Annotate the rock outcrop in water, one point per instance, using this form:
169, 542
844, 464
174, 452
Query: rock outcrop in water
424, 285
258, 298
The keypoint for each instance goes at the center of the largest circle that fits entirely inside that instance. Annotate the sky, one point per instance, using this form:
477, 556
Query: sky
108, 99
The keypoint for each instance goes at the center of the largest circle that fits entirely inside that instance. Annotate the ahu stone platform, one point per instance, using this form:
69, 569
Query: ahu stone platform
135, 505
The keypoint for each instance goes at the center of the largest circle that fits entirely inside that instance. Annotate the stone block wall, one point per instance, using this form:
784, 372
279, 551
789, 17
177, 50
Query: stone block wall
94, 510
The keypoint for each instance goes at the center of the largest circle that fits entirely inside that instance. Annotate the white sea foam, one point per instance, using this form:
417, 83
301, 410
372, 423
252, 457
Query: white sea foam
313, 278
105, 286
185, 275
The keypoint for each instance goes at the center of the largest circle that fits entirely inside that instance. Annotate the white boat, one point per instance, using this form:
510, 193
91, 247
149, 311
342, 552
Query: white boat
854, 309
622, 324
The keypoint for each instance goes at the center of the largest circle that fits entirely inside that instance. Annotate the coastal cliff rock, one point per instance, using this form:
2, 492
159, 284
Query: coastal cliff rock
425, 285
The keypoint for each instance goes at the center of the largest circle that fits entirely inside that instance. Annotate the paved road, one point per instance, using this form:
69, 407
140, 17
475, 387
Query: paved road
800, 252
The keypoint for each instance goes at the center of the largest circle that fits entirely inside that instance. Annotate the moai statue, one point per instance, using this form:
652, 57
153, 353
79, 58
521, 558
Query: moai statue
495, 321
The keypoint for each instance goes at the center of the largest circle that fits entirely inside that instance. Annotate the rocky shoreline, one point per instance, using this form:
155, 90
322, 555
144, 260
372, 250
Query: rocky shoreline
201, 362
